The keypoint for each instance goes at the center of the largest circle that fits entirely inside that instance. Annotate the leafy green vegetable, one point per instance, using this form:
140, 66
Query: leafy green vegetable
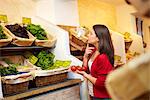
45, 60
66, 63
37, 31
2, 35
60, 63
8, 70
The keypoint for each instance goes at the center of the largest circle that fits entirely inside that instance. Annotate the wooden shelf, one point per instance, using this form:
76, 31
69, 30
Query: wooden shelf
16, 50
22, 48
44, 89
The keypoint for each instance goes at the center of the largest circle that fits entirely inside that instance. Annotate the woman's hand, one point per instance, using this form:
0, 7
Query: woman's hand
83, 73
88, 51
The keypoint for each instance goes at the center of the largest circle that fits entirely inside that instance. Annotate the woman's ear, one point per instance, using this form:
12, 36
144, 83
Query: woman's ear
97, 39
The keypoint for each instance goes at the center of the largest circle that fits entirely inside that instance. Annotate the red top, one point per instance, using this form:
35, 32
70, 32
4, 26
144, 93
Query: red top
99, 69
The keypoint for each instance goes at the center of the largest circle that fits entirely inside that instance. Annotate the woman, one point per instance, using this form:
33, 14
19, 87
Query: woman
99, 61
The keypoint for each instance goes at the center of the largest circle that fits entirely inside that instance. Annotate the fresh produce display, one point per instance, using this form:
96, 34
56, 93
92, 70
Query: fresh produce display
2, 35
60, 63
37, 31
17, 30
45, 60
74, 68
8, 70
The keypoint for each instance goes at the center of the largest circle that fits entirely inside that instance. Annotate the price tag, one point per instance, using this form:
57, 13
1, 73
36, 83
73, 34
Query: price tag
26, 20
3, 18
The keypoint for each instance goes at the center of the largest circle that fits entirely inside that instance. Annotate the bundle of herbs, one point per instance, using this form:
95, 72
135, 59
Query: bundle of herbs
10, 70
37, 31
45, 59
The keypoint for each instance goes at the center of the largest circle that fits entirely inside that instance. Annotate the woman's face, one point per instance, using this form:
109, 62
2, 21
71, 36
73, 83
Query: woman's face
92, 38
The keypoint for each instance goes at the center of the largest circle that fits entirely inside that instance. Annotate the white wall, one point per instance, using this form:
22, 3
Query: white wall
62, 12
66, 12
46, 9
15, 10
125, 21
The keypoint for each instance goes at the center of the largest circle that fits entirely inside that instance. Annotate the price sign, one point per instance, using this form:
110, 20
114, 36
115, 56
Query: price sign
26, 20
3, 18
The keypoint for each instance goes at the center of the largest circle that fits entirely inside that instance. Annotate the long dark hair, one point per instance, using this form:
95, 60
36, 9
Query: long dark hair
105, 42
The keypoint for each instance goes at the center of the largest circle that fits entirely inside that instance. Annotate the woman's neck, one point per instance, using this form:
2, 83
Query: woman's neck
95, 54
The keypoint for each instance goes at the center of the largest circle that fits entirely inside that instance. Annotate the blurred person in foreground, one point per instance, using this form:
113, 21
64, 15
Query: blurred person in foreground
132, 81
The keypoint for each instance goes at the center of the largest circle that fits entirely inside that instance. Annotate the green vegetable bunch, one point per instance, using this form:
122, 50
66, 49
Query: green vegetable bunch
59, 63
8, 70
2, 35
37, 31
45, 60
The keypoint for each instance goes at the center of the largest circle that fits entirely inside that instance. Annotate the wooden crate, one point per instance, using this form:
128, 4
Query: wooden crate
18, 40
51, 79
10, 89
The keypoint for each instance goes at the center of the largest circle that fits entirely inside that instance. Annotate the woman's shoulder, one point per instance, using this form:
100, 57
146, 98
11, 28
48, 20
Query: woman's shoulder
100, 59
102, 56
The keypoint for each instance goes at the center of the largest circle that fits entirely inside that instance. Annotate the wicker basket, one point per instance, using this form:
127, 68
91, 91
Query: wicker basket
20, 41
4, 42
51, 79
10, 89
46, 43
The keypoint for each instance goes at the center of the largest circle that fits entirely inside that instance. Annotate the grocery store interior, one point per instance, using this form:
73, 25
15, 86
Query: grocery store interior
40, 40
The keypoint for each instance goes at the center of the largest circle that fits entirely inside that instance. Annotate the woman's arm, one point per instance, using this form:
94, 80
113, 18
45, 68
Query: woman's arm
87, 54
87, 76
85, 61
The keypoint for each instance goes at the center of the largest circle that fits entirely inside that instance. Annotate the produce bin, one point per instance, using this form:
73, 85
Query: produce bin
14, 84
19, 41
9, 89
43, 38
46, 43
47, 77
15, 79
4, 42
51, 79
